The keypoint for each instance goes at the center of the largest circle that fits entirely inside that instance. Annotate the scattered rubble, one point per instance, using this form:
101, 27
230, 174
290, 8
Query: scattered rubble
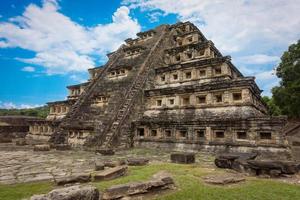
246, 163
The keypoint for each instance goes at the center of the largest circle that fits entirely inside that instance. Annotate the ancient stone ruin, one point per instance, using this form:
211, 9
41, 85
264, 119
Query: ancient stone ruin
170, 88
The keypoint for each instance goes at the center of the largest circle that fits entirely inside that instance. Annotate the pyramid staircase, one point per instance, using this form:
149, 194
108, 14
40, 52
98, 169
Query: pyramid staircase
105, 138
113, 131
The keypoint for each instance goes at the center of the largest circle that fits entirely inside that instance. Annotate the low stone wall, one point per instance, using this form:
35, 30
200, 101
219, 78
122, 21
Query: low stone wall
267, 152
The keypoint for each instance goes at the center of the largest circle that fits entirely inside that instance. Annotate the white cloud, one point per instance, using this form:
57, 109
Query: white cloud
267, 80
28, 69
236, 24
154, 16
11, 105
62, 45
258, 59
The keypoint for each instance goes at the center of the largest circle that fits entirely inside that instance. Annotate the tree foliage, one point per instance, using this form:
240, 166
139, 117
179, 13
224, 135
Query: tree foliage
35, 112
287, 94
273, 108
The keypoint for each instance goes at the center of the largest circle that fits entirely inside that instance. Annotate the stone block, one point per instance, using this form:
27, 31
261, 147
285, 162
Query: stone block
71, 193
110, 173
106, 152
233, 160
81, 178
137, 161
183, 158
41, 147
99, 166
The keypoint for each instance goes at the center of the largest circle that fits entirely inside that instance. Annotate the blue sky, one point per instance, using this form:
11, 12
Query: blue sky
46, 45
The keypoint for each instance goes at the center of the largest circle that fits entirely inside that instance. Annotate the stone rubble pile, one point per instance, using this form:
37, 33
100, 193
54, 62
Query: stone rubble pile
246, 163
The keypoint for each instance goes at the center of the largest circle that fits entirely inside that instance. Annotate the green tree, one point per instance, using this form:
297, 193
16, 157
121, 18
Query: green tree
35, 112
273, 108
287, 94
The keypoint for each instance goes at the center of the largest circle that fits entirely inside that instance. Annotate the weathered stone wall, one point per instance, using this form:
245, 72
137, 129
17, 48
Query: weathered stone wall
12, 127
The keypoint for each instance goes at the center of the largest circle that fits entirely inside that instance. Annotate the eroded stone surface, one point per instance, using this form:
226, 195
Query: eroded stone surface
80, 178
223, 179
70, 193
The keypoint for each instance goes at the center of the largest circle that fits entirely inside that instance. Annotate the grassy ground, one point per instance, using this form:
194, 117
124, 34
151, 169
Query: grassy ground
188, 182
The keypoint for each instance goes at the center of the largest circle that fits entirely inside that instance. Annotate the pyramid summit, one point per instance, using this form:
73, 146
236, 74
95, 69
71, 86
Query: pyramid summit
168, 88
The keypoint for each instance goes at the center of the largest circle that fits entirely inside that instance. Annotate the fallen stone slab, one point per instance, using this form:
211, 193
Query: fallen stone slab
110, 173
81, 178
41, 147
137, 161
223, 179
160, 181
105, 152
71, 193
183, 158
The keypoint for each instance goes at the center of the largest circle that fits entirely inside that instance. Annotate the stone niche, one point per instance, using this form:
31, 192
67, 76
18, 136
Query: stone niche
186, 39
188, 55
100, 100
199, 100
40, 131
132, 52
78, 137
196, 73
213, 133
76, 90
93, 72
146, 35
119, 73
58, 110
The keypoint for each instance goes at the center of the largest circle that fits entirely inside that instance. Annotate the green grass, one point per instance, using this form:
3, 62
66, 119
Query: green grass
22, 190
189, 184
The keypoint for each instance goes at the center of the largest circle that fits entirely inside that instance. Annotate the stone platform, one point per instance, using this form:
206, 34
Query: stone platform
20, 164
